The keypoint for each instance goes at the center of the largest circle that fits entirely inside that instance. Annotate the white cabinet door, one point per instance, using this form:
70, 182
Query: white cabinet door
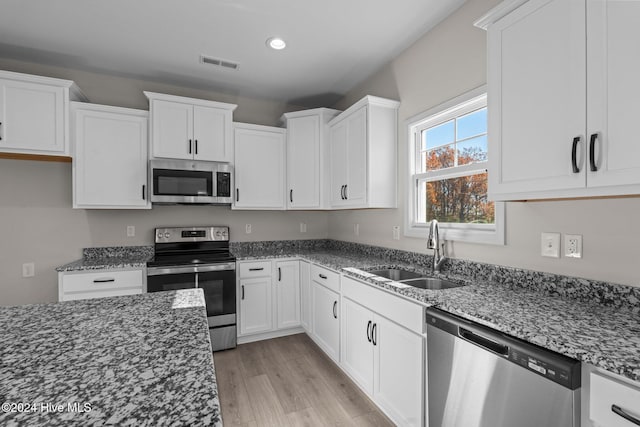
110, 159
305, 296
303, 162
356, 346
537, 98
613, 91
259, 167
356, 189
32, 117
326, 326
287, 285
172, 132
212, 134
399, 366
255, 305
339, 163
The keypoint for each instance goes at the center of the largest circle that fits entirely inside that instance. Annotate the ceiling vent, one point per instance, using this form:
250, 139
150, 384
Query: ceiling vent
219, 62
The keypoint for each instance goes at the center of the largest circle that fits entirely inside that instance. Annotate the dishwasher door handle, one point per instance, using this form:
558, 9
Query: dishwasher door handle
483, 342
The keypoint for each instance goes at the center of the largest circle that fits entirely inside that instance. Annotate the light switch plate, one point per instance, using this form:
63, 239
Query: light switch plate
550, 245
396, 232
303, 227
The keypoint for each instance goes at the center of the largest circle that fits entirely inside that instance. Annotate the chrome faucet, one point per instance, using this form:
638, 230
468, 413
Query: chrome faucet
433, 242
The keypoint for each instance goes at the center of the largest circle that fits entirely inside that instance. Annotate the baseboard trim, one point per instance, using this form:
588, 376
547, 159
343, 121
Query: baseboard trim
268, 335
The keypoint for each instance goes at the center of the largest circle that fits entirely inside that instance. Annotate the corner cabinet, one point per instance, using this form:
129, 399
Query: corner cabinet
561, 102
308, 158
259, 167
325, 307
34, 114
363, 147
190, 129
110, 157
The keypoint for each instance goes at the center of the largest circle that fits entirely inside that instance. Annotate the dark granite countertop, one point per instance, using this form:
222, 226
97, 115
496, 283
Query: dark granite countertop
603, 336
142, 360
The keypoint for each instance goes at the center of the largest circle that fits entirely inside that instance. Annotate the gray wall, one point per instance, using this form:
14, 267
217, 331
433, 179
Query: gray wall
37, 223
449, 61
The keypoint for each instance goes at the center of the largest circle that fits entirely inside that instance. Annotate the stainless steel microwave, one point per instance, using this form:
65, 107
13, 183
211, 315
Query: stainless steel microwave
190, 182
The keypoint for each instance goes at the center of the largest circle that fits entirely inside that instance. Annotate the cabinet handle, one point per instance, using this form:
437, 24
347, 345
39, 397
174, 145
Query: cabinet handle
592, 152
237, 195
346, 194
291, 195
256, 269
574, 160
342, 192
619, 411
196, 146
374, 334
242, 297
189, 146
0, 136
144, 187
279, 274
335, 305
106, 280
322, 276
369, 331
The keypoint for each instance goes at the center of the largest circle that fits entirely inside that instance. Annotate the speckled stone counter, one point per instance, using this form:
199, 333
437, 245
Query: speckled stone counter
142, 360
111, 257
597, 323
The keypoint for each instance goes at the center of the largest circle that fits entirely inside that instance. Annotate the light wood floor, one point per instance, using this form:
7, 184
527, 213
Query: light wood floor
289, 381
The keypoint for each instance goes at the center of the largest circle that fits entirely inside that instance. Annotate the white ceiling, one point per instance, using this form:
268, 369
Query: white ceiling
332, 45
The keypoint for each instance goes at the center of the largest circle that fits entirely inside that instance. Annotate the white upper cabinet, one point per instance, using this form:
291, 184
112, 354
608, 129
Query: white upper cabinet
308, 158
363, 146
110, 157
259, 167
187, 128
561, 91
34, 113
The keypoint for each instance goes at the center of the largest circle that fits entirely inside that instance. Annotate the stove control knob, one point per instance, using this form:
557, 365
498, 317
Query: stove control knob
159, 235
167, 235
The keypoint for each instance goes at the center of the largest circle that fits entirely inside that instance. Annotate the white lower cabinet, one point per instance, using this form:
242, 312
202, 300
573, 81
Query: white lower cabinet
305, 296
613, 402
325, 320
255, 305
288, 294
74, 285
268, 298
385, 358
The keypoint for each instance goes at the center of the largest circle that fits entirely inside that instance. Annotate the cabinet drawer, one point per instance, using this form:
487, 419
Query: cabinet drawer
401, 311
607, 392
101, 294
255, 269
104, 280
326, 277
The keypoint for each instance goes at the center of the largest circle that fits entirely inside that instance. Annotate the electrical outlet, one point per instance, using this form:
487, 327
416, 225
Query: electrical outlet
550, 245
356, 229
573, 245
396, 232
131, 231
28, 269
247, 228
303, 227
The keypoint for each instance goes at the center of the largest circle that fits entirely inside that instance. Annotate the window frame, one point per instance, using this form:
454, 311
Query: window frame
473, 233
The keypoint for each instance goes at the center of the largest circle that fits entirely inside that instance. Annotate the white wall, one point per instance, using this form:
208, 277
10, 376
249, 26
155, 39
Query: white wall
446, 62
37, 223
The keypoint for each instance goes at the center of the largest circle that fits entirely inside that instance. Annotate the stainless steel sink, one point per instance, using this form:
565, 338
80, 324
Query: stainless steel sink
433, 283
396, 274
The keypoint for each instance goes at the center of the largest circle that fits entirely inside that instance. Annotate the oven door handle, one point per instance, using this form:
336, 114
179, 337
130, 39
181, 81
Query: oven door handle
161, 271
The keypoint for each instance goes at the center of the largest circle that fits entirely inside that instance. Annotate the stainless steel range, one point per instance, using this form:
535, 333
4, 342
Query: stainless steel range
199, 257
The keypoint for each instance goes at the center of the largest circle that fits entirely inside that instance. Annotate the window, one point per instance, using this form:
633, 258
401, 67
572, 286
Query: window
448, 172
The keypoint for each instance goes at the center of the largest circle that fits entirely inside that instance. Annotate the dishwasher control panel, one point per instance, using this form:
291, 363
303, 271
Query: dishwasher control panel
555, 372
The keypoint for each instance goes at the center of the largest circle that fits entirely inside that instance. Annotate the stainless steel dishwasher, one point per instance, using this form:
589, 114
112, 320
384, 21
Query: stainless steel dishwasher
479, 377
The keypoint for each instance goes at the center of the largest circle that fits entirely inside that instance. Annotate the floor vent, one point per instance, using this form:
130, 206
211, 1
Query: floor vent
219, 62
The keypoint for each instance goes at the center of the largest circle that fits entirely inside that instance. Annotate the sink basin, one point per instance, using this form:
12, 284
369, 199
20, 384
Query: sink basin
396, 274
433, 283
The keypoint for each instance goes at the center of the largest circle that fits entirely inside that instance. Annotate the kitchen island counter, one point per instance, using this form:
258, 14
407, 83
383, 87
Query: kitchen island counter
142, 360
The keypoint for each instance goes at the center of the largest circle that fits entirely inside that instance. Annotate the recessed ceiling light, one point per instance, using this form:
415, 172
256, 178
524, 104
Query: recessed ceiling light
276, 43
